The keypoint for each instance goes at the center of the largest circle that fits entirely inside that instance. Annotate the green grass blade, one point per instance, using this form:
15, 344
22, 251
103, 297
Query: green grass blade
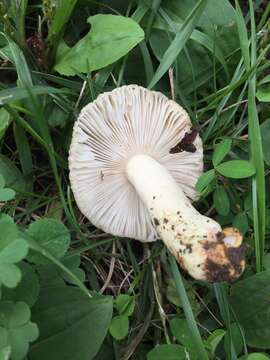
264, 17
258, 186
18, 59
24, 151
201, 352
24, 124
20, 93
155, 4
221, 296
258, 190
236, 77
199, 37
17, 11
179, 42
140, 11
149, 71
63, 11
243, 35
256, 226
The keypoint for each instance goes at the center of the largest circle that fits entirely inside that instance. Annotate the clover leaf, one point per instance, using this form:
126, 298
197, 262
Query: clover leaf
12, 250
5, 193
16, 328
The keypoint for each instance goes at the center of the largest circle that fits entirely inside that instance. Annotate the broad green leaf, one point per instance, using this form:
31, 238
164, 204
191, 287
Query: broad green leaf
178, 42
52, 235
119, 327
51, 275
125, 304
236, 169
240, 221
12, 250
2, 182
221, 200
263, 94
63, 10
6, 194
15, 319
46, 254
214, 339
225, 220
221, 150
110, 38
204, 180
4, 122
167, 352
181, 332
5, 352
266, 261
265, 133
72, 326
249, 299
28, 288
12, 175
106, 351
3, 337
255, 356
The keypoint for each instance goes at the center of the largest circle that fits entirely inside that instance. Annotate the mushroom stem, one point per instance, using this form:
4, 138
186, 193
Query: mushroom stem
197, 242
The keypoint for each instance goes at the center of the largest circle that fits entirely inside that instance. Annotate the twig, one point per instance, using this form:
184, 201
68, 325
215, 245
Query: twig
112, 263
171, 83
136, 341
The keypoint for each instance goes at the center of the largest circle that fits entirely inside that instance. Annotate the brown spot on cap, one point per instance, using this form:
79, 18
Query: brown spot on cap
186, 143
165, 220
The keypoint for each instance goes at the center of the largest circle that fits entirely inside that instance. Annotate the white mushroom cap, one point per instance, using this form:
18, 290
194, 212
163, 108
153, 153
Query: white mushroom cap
128, 121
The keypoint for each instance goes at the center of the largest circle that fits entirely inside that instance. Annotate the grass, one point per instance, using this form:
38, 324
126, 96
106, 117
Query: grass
210, 62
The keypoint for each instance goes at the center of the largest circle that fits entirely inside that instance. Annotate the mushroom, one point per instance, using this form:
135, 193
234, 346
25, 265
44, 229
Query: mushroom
134, 161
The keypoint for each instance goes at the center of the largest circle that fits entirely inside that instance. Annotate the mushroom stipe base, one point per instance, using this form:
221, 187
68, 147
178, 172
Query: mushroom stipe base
197, 242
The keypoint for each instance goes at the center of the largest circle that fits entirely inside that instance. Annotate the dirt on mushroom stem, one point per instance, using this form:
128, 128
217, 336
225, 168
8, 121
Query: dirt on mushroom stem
197, 242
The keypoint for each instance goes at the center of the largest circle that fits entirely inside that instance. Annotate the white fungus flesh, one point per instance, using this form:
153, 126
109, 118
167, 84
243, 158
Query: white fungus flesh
134, 162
